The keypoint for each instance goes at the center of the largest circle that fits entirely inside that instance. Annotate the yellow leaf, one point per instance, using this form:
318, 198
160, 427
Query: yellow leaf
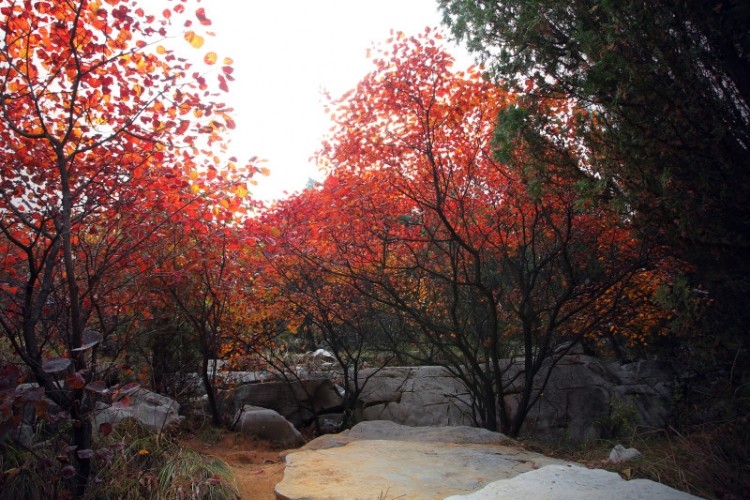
241, 191
210, 58
193, 39
264, 171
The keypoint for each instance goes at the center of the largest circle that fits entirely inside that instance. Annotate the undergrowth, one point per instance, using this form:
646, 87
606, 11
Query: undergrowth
709, 462
132, 463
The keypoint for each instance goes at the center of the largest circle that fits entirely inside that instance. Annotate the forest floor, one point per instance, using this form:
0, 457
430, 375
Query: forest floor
256, 466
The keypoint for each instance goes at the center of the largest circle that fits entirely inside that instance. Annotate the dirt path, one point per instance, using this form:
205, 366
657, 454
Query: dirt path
256, 466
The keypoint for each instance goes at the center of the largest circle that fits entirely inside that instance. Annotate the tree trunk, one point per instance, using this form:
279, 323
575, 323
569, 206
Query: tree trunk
210, 393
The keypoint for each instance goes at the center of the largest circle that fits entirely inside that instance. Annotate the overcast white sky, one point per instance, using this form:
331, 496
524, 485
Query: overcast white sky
284, 54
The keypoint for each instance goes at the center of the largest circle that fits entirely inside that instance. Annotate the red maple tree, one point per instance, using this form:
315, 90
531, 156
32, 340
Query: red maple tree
105, 137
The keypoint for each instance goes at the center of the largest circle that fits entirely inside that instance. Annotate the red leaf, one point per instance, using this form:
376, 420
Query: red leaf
223, 83
75, 380
201, 15
123, 402
105, 429
68, 472
184, 124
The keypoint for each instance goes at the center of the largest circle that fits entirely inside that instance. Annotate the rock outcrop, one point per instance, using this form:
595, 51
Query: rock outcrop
584, 399
381, 459
416, 396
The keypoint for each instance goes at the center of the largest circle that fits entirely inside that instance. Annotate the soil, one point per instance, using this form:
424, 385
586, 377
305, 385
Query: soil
256, 466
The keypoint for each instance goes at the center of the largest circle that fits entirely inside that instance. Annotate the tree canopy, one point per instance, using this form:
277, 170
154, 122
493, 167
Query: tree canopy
665, 128
667, 87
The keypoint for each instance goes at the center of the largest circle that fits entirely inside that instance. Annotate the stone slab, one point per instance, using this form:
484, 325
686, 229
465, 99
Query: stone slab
372, 469
382, 459
573, 482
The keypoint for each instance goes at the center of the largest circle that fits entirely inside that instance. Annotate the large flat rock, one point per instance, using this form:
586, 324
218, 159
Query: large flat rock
400, 469
385, 460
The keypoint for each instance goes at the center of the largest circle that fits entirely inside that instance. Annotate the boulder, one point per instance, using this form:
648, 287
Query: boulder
155, 411
294, 401
387, 460
268, 425
318, 360
576, 403
620, 454
584, 398
573, 482
415, 396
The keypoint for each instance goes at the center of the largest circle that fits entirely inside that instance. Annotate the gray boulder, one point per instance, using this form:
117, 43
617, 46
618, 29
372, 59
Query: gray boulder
155, 411
268, 425
586, 399
415, 396
294, 401
620, 454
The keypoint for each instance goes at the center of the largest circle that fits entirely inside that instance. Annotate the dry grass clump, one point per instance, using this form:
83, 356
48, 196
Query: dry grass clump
709, 462
131, 462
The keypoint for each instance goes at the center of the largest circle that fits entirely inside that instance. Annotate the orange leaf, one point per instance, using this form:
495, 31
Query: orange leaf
210, 58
